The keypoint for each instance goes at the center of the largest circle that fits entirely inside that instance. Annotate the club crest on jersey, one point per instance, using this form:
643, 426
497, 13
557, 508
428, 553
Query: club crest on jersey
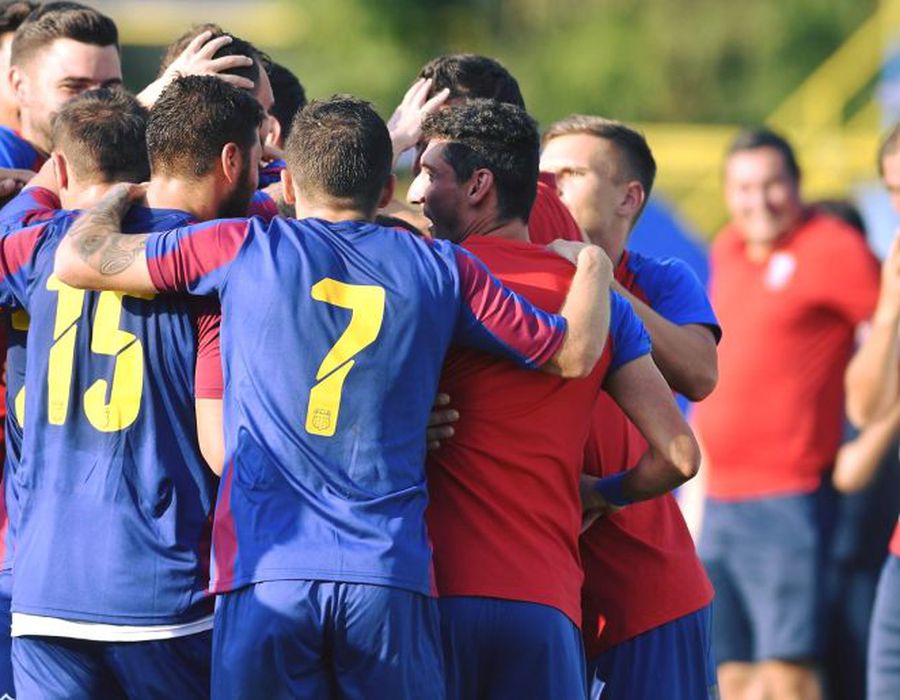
321, 420
780, 270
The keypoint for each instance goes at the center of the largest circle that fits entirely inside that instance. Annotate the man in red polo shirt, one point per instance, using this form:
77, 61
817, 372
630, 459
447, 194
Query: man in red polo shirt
790, 286
645, 599
504, 513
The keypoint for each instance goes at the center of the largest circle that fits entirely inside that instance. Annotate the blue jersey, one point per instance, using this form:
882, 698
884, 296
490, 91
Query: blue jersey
30, 206
115, 500
16, 152
670, 287
333, 337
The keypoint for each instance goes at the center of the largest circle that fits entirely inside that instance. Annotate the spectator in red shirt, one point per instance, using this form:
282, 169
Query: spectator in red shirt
790, 286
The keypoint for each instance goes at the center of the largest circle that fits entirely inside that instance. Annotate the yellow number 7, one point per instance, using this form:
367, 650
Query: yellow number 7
367, 304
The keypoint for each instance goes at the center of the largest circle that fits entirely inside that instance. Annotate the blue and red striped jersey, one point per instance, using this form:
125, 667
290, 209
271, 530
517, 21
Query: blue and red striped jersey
112, 488
16, 152
333, 337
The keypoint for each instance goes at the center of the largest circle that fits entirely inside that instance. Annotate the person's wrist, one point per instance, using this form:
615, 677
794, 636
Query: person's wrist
612, 489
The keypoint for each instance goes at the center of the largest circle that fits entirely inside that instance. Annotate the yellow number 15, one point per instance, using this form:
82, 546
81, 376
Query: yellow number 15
106, 339
367, 305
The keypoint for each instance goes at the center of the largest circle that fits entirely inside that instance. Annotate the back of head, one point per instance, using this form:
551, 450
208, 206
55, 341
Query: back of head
237, 47
290, 97
496, 136
339, 152
637, 162
192, 121
470, 76
12, 14
61, 20
102, 134
761, 137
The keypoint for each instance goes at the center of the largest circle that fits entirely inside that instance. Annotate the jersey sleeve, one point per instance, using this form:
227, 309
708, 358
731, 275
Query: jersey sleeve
209, 382
31, 206
851, 277
16, 253
496, 320
674, 291
263, 206
627, 334
195, 258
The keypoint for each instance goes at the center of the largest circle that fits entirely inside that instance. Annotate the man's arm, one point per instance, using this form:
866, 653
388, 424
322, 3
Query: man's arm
96, 254
211, 433
857, 461
673, 455
685, 354
873, 376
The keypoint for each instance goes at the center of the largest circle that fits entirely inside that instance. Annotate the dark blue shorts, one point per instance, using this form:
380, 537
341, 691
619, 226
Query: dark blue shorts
766, 559
673, 661
510, 649
322, 639
7, 687
55, 668
883, 676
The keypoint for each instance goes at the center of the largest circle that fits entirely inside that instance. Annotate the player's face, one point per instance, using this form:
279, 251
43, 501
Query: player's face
890, 166
762, 196
439, 193
61, 71
586, 169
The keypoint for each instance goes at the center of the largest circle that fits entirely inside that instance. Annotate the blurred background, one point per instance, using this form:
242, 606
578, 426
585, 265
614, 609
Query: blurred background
687, 72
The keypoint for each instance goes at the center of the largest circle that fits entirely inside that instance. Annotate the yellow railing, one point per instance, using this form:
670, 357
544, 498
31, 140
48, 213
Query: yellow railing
835, 149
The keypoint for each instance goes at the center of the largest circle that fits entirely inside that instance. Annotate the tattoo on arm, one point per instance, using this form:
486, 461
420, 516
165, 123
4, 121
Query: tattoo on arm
97, 238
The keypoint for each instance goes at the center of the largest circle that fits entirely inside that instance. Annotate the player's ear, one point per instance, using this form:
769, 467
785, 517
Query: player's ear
387, 194
480, 184
633, 199
18, 81
273, 138
287, 187
232, 161
60, 170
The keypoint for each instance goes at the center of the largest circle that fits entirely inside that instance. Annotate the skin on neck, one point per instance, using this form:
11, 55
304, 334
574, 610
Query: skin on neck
82, 196
329, 208
612, 241
196, 197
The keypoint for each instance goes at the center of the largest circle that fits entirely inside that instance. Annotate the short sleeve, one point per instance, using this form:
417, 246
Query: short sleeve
209, 382
31, 206
851, 277
17, 250
627, 334
673, 290
195, 258
496, 320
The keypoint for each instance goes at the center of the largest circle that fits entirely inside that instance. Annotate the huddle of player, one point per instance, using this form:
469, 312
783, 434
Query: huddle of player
299, 358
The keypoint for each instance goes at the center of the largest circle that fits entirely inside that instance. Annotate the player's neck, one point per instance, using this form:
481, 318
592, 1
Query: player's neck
82, 196
326, 212
613, 243
513, 230
28, 132
175, 193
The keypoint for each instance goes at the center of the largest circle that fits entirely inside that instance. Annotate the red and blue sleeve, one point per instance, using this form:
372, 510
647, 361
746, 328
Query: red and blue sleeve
16, 253
31, 206
209, 382
627, 334
195, 258
496, 320
673, 290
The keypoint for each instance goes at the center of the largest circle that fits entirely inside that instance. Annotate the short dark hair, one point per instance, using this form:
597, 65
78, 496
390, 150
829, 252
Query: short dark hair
760, 137
102, 133
61, 20
890, 144
497, 136
237, 47
638, 163
13, 13
192, 121
470, 76
340, 148
290, 97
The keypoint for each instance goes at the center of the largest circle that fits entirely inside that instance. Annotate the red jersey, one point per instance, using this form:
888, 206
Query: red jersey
640, 565
774, 423
504, 510
549, 218
895, 541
